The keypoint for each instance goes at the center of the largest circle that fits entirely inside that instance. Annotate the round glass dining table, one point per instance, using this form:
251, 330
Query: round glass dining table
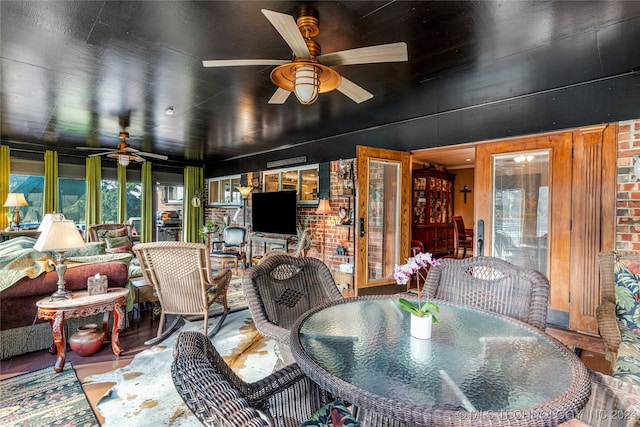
478, 368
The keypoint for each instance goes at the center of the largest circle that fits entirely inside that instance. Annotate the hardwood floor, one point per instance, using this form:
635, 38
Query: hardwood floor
131, 338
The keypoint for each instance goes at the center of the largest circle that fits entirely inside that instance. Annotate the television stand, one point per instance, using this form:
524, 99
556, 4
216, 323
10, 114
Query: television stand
279, 239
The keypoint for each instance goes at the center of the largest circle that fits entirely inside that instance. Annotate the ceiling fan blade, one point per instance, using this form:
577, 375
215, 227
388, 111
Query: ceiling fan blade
280, 96
106, 153
150, 155
353, 91
392, 52
288, 29
241, 62
93, 148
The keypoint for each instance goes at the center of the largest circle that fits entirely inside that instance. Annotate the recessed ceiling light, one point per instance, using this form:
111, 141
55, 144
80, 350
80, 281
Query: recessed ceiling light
169, 111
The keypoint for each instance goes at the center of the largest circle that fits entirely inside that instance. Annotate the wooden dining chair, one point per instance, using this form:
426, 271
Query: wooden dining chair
491, 284
181, 274
280, 289
463, 238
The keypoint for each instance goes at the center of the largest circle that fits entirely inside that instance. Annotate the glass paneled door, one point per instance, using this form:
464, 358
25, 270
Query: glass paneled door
383, 226
523, 198
521, 208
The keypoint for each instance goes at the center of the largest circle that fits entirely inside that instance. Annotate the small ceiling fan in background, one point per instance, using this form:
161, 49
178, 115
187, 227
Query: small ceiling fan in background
310, 72
124, 153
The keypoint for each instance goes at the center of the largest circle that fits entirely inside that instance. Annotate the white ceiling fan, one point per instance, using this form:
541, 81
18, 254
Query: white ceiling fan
124, 153
310, 72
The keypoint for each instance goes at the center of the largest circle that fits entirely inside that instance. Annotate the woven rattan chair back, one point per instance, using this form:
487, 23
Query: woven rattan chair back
613, 402
606, 312
180, 272
491, 284
280, 289
219, 398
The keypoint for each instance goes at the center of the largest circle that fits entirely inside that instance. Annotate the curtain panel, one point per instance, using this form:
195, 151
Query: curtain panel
5, 170
146, 210
94, 181
192, 216
122, 194
50, 191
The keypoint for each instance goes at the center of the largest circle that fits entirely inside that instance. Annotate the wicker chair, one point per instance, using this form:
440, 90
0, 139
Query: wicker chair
280, 289
492, 284
181, 275
219, 398
606, 312
613, 402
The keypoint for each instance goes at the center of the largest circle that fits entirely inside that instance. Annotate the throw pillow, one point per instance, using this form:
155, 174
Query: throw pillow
90, 249
334, 414
627, 277
118, 244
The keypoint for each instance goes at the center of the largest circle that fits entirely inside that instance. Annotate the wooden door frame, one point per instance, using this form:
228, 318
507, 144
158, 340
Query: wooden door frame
363, 155
560, 145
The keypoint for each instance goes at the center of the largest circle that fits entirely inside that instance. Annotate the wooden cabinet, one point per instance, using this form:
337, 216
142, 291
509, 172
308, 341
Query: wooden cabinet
432, 210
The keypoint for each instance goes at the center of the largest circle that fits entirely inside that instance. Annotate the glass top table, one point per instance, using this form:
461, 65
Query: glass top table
477, 368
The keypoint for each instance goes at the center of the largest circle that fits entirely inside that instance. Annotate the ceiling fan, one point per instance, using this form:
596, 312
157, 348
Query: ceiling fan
124, 153
310, 72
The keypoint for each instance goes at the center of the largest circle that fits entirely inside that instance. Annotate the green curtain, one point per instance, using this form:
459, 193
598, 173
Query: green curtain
146, 210
5, 169
94, 183
50, 193
192, 216
122, 194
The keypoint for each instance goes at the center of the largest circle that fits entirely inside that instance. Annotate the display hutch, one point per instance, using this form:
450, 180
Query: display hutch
432, 213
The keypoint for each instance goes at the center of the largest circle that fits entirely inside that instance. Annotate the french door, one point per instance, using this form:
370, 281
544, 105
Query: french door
383, 223
548, 202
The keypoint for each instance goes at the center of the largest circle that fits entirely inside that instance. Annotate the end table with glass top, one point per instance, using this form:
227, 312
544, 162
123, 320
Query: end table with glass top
478, 368
81, 304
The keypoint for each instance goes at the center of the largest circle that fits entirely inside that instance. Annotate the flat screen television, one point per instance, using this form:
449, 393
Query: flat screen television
274, 213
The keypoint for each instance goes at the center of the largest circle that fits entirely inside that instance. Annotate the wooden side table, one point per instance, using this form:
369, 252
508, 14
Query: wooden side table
82, 305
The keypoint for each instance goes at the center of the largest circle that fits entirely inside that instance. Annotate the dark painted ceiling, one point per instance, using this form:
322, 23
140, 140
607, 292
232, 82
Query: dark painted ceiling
71, 68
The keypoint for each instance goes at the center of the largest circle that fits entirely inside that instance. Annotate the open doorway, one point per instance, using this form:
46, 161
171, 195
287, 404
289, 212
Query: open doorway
437, 205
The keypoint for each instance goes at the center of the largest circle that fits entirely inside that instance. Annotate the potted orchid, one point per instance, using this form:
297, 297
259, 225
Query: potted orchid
422, 315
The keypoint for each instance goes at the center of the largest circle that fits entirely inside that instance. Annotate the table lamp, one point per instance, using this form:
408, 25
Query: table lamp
48, 218
59, 236
16, 200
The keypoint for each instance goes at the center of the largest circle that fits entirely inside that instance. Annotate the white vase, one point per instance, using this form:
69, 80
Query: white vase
421, 326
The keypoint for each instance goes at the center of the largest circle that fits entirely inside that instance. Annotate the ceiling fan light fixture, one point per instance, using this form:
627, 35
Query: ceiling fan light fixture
306, 78
306, 83
123, 160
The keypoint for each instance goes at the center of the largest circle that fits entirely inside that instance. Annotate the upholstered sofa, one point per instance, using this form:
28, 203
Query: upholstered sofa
27, 276
619, 312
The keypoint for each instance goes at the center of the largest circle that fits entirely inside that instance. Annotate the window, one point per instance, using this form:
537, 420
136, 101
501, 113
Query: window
304, 180
222, 190
72, 198
32, 188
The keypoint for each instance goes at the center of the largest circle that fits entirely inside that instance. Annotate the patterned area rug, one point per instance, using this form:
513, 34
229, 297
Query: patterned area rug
44, 398
144, 394
235, 298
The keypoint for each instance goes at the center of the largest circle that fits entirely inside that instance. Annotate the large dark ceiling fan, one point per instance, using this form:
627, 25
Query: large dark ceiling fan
124, 153
310, 72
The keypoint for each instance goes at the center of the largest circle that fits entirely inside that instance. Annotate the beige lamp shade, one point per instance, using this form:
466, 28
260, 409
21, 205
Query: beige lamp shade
15, 199
59, 236
244, 191
48, 218
323, 207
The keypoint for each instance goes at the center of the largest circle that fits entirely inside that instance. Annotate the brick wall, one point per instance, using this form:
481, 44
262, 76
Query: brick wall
628, 198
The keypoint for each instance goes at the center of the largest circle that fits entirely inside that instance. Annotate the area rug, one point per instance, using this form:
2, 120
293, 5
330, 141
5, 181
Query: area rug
144, 394
235, 299
45, 398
